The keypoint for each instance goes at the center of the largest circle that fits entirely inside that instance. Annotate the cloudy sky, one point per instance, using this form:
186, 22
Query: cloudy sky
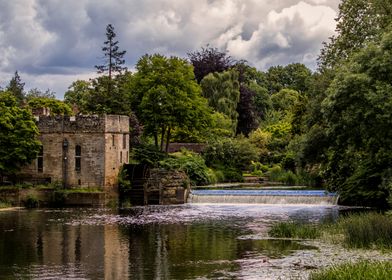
54, 42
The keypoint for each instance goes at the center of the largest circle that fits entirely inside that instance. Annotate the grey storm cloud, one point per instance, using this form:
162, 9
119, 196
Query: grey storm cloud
54, 42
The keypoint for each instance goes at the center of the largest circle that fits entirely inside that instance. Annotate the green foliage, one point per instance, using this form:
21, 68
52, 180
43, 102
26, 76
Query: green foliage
358, 23
148, 154
294, 230
367, 230
36, 93
231, 174
209, 60
5, 204
113, 57
18, 135
363, 270
31, 202
77, 94
124, 182
237, 153
16, 88
293, 76
357, 113
192, 164
166, 96
56, 107
222, 92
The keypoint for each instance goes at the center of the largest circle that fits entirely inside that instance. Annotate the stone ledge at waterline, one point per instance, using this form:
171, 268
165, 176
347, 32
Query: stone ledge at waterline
54, 198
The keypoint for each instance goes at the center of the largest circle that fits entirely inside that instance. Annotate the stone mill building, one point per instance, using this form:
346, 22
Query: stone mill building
80, 151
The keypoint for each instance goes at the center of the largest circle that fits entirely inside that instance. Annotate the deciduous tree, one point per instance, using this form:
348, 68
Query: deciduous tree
168, 97
18, 135
209, 60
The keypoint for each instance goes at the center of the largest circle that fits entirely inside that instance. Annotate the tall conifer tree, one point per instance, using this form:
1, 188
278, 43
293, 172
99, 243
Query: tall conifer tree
113, 57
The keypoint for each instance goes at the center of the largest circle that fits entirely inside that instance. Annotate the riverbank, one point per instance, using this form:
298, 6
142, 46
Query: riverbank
11, 208
54, 197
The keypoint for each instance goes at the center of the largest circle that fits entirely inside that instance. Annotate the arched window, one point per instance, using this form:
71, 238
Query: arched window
78, 157
40, 160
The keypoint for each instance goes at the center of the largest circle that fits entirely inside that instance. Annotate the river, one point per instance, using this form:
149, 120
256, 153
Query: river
191, 241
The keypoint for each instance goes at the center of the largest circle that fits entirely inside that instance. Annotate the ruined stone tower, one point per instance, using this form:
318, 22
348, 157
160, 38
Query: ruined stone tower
80, 151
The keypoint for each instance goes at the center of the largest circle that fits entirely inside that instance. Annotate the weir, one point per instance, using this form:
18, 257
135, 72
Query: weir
316, 197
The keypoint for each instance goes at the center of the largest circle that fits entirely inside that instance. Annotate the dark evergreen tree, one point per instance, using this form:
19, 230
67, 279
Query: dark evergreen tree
113, 57
16, 87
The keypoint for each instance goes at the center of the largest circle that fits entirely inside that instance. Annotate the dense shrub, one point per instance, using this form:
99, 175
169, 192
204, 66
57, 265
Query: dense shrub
124, 182
192, 164
237, 153
31, 202
148, 154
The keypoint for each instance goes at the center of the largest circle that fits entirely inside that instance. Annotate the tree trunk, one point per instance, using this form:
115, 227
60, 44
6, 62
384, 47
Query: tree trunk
167, 140
156, 138
162, 136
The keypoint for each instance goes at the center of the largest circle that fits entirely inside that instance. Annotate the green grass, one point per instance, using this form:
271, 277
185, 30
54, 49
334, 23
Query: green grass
82, 190
366, 230
295, 230
363, 270
4, 204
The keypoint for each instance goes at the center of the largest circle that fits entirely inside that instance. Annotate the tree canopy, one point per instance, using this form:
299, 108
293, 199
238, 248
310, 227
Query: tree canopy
358, 23
167, 97
209, 60
16, 87
18, 135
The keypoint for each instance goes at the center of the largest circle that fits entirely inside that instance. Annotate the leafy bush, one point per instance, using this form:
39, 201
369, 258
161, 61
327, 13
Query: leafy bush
148, 154
275, 173
289, 178
31, 202
124, 181
237, 153
232, 175
192, 164
362, 270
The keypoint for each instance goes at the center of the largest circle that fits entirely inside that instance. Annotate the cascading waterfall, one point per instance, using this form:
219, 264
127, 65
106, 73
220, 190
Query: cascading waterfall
318, 197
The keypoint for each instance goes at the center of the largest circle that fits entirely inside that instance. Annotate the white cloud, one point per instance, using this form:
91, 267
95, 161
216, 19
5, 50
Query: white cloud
54, 41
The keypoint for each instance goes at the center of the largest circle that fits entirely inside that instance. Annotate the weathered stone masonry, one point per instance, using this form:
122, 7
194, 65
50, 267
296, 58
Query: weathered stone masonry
81, 151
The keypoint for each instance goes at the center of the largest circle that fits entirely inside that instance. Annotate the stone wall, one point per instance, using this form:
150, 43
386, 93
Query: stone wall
171, 187
104, 146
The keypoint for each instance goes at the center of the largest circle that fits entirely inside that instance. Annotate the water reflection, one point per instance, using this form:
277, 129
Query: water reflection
178, 242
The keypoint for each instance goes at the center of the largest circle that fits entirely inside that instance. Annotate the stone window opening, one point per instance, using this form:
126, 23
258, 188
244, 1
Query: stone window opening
113, 143
124, 141
120, 157
40, 160
78, 157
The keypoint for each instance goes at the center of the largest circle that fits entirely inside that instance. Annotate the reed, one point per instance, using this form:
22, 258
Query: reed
367, 230
294, 230
365, 270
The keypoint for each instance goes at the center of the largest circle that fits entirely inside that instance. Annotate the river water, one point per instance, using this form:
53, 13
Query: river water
191, 241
